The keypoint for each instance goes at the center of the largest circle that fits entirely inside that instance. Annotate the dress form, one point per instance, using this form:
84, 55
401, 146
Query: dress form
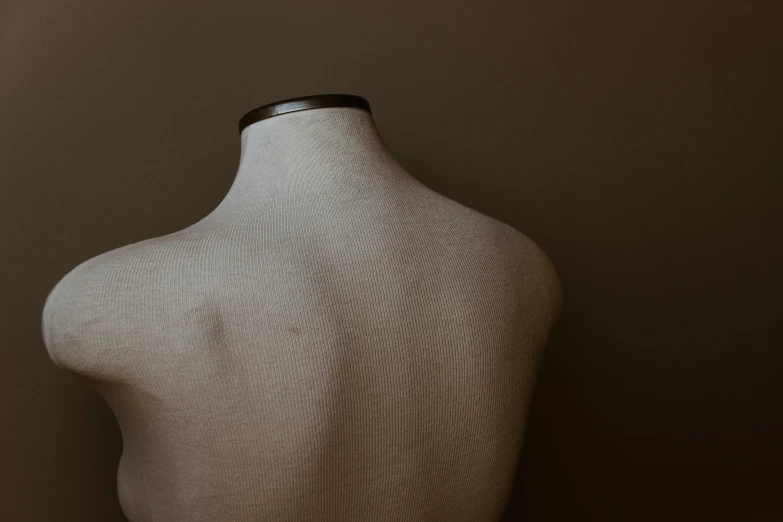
334, 341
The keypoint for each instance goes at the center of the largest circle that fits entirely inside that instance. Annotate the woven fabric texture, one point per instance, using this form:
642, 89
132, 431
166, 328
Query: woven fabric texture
335, 341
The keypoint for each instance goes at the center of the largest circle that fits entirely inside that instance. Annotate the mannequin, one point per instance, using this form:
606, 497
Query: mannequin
335, 341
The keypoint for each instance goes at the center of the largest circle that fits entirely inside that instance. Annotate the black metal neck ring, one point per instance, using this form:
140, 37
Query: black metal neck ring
302, 103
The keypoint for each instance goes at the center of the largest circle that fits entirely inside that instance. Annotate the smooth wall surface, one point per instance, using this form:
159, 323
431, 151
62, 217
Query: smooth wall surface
639, 143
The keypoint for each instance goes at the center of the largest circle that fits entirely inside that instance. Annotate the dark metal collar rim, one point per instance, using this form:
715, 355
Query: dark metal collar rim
302, 103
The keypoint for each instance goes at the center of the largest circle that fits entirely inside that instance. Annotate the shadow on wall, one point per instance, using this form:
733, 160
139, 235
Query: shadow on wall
579, 461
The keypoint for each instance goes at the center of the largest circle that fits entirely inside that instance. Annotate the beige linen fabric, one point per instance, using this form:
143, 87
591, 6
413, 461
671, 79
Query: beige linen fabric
334, 342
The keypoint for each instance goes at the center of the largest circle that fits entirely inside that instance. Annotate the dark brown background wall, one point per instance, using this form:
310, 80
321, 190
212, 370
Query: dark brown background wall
637, 142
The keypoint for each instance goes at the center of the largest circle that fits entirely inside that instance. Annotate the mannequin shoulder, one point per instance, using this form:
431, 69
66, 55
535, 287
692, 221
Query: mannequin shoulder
537, 277
493, 249
497, 246
523, 267
85, 313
